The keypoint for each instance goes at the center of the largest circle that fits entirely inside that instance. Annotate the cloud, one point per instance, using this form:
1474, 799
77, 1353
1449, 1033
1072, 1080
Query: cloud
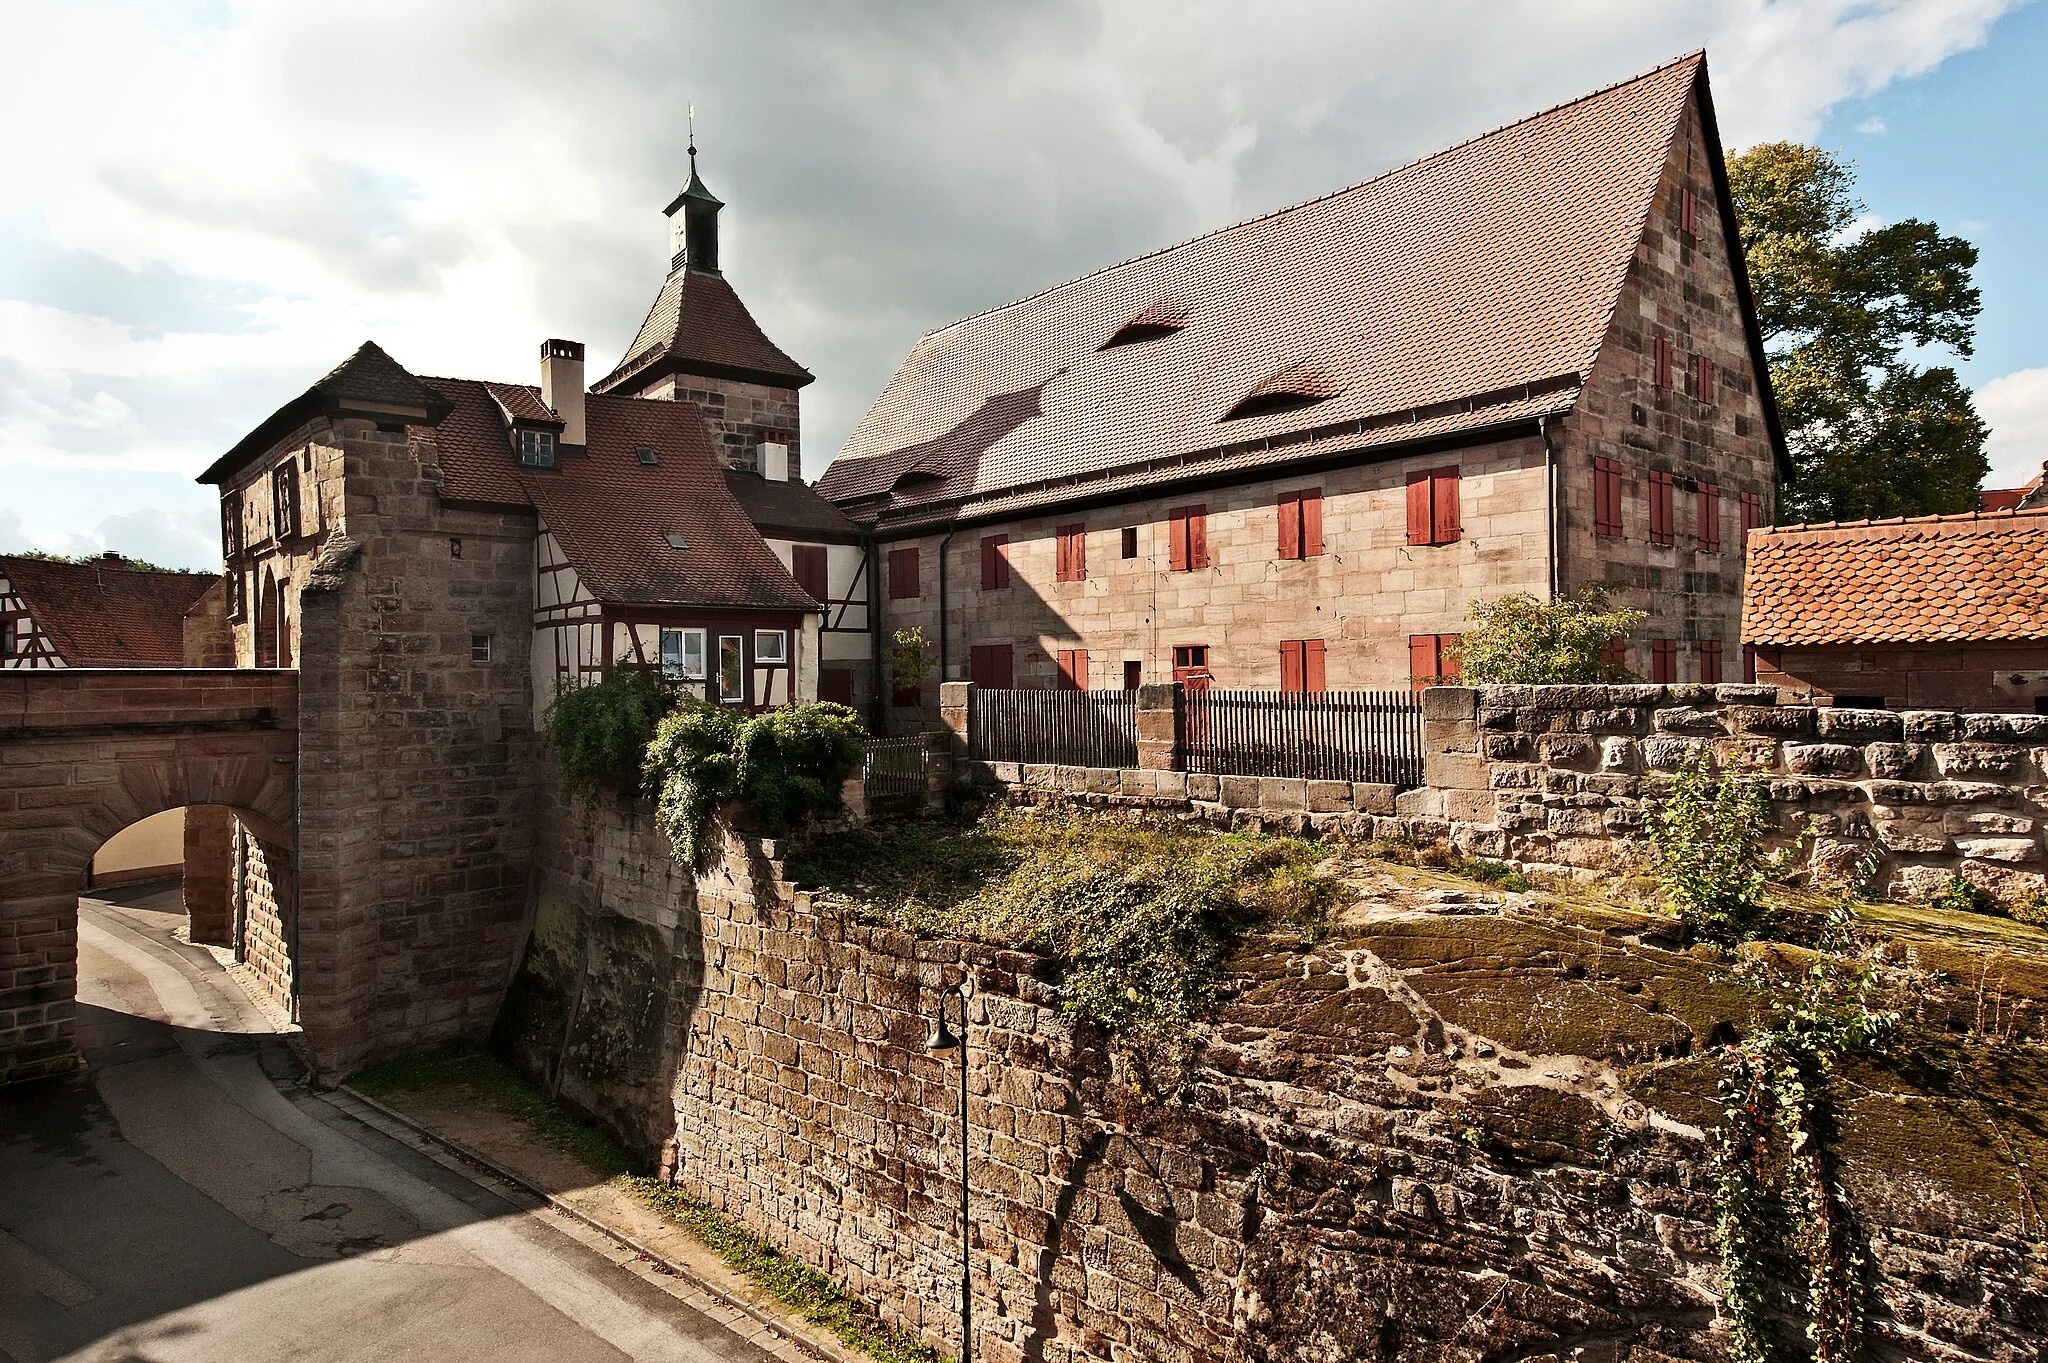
218, 211
1872, 127
2016, 409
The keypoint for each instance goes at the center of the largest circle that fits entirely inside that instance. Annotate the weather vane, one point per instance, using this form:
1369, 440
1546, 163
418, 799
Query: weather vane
693, 138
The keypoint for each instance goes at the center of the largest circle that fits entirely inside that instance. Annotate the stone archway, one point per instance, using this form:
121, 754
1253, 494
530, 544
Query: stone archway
83, 754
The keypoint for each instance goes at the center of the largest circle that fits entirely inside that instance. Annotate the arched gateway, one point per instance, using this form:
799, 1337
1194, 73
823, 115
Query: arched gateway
84, 752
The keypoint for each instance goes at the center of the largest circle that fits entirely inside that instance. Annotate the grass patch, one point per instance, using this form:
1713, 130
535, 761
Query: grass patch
483, 1075
796, 1285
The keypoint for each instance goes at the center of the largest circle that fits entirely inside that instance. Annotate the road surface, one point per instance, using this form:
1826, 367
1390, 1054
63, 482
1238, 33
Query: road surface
185, 1198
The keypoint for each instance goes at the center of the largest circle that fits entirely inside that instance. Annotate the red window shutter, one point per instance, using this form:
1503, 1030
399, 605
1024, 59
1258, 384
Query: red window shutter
1061, 544
1449, 647
1005, 666
1077, 555
1749, 663
995, 562
1422, 662
1080, 669
1664, 660
1661, 363
1290, 665
1418, 507
1703, 378
1660, 507
990, 666
1177, 541
1709, 527
1752, 515
1606, 497
1198, 537
1445, 520
1710, 661
807, 565
1616, 653
1290, 525
1312, 665
903, 574
1688, 211
1066, 666
1312, 522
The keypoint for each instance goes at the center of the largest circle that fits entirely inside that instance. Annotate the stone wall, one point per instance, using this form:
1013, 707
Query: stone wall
1556, 778
739, 416
209, 885
267, 934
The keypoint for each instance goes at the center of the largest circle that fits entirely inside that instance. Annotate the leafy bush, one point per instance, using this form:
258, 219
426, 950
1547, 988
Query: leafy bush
1707, 835
1521, 640
1962, 895
599, 731
910, 658
787, 764
1495, 873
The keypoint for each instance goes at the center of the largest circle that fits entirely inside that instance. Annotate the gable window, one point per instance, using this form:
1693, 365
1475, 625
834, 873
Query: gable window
682, 654
771, 646
1664, 661
231, 525
1073, 669
991, 665
1432, 659
1188, 545
995, 562
1072, 554
1301, 665
284, 501
1301, 523
807, 566
1130, 541
1433, 512
1606, 497
1660, 507
732, 668
1703, 378
1708, 530
537, 449
1710, 661
903, 574
1660, 363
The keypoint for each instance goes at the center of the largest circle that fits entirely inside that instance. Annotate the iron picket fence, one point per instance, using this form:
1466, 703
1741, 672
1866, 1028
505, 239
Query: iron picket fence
1071, 728
1373, 736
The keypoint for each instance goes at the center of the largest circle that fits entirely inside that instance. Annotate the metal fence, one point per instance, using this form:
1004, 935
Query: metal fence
1371, 736
1072, 728
893, 766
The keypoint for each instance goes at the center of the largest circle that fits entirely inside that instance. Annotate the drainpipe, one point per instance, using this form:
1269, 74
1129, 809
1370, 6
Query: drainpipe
1550, 481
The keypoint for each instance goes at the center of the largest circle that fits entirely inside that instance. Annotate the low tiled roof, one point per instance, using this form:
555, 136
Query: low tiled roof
698, 325
1933, 579
105, 613
1439, 295
2010, 498
792, 510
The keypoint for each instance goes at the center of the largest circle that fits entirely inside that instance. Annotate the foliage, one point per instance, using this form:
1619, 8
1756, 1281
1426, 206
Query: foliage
1960, 894
139, 565
478, 1074
1141, 913
599, 730
1521, 640
1707, 838
1842, 309
1495, 873
786, 764
1776, 1186
910, 658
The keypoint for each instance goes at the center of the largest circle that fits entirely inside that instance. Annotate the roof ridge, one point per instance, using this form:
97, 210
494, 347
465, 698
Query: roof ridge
1695, 55
1939, 518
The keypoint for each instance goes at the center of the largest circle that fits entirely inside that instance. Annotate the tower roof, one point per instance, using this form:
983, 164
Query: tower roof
698, 325
368, 383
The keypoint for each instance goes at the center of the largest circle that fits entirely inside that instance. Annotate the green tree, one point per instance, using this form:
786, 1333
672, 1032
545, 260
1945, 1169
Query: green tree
1519, 640
1844, 311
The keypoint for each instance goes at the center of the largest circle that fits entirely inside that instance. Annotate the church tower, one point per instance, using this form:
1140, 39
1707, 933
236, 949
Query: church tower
700, 344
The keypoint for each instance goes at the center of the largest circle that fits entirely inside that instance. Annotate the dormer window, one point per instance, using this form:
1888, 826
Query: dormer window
1298, 385
1159, 320
537, 449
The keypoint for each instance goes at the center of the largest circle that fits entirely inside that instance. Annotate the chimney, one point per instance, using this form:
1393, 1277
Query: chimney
561, 387
112, 559
773, 461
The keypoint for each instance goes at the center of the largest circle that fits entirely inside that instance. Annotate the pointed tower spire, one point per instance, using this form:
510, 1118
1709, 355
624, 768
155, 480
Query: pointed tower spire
693, 220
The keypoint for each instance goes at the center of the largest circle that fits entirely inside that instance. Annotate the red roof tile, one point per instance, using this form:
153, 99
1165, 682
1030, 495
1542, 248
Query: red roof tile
2009, 498
1934, 579
103, 614
699, 325
1480, 277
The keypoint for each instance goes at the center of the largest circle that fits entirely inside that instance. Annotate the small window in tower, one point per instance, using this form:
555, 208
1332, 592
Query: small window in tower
646, 454
537, 449
479, 648
1298, 385
454, 546
1159, 320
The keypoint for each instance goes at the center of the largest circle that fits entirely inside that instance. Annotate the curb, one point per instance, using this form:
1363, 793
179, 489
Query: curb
775, 1325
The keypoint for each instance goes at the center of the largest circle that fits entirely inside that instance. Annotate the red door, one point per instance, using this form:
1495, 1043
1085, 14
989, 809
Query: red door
1191, 670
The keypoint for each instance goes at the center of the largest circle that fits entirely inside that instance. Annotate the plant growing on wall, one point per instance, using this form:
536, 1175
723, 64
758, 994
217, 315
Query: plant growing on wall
1707, 838
910, 659
1519, 640
599, 731
786, 764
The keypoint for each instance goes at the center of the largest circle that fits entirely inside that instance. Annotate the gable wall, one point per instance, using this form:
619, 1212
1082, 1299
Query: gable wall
1682, 289
31, 647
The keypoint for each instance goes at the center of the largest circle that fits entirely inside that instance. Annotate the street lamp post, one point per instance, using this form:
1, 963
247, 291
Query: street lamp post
942, 1043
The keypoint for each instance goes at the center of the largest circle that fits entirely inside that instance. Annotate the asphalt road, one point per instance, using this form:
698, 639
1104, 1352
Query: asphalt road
185, 1198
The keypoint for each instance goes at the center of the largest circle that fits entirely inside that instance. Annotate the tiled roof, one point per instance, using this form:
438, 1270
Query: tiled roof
773, 505
610, 512
2011, 498
106, 614
368, 382
699, 325
1485, 275
1933, 579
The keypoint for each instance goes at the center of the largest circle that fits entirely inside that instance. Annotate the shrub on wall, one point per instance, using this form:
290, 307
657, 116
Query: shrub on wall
599, 731
1518, 640
787, 764
1707, 835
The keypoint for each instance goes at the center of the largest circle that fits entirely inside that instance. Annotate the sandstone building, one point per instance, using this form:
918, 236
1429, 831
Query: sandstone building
1292, 452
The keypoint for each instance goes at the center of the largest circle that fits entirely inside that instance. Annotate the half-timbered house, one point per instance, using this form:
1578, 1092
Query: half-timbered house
105, 612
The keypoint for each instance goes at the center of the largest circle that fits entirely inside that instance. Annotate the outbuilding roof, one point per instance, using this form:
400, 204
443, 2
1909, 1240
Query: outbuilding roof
108, 612
1979, 577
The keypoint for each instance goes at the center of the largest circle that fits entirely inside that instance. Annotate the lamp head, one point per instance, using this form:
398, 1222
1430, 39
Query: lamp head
941, 1042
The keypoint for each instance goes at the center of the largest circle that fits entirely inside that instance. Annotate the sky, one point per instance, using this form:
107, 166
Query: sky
220, 199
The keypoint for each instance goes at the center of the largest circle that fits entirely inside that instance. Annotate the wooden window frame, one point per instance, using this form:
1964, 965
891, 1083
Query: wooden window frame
995, 563
536, 449
1301, 524
904, 573
1707, 530
1662, 532
1607, 497
1189, 529
1070, 553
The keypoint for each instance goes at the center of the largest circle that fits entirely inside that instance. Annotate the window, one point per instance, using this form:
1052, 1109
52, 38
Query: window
903, 574
1703, 378
1134, 675
682, 654
1301, 523
1710, 661
454, 546
1664, 660
1432, 659
1749, 663
989, 665
7, 637
1660, 362
1660, 507
1073, 669
1191, 664
1688, 212
771, 646
835, 685
732, 668
646, 454
1301, 665
479, 648
2041, 705
1130, 541
537, 449
1752, 514
1708, 531
234, 588
995, 562
807, 566
1606, 497
1615, 655
1433, 506
284, 501
231, 525
1072, 553
1188, 545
